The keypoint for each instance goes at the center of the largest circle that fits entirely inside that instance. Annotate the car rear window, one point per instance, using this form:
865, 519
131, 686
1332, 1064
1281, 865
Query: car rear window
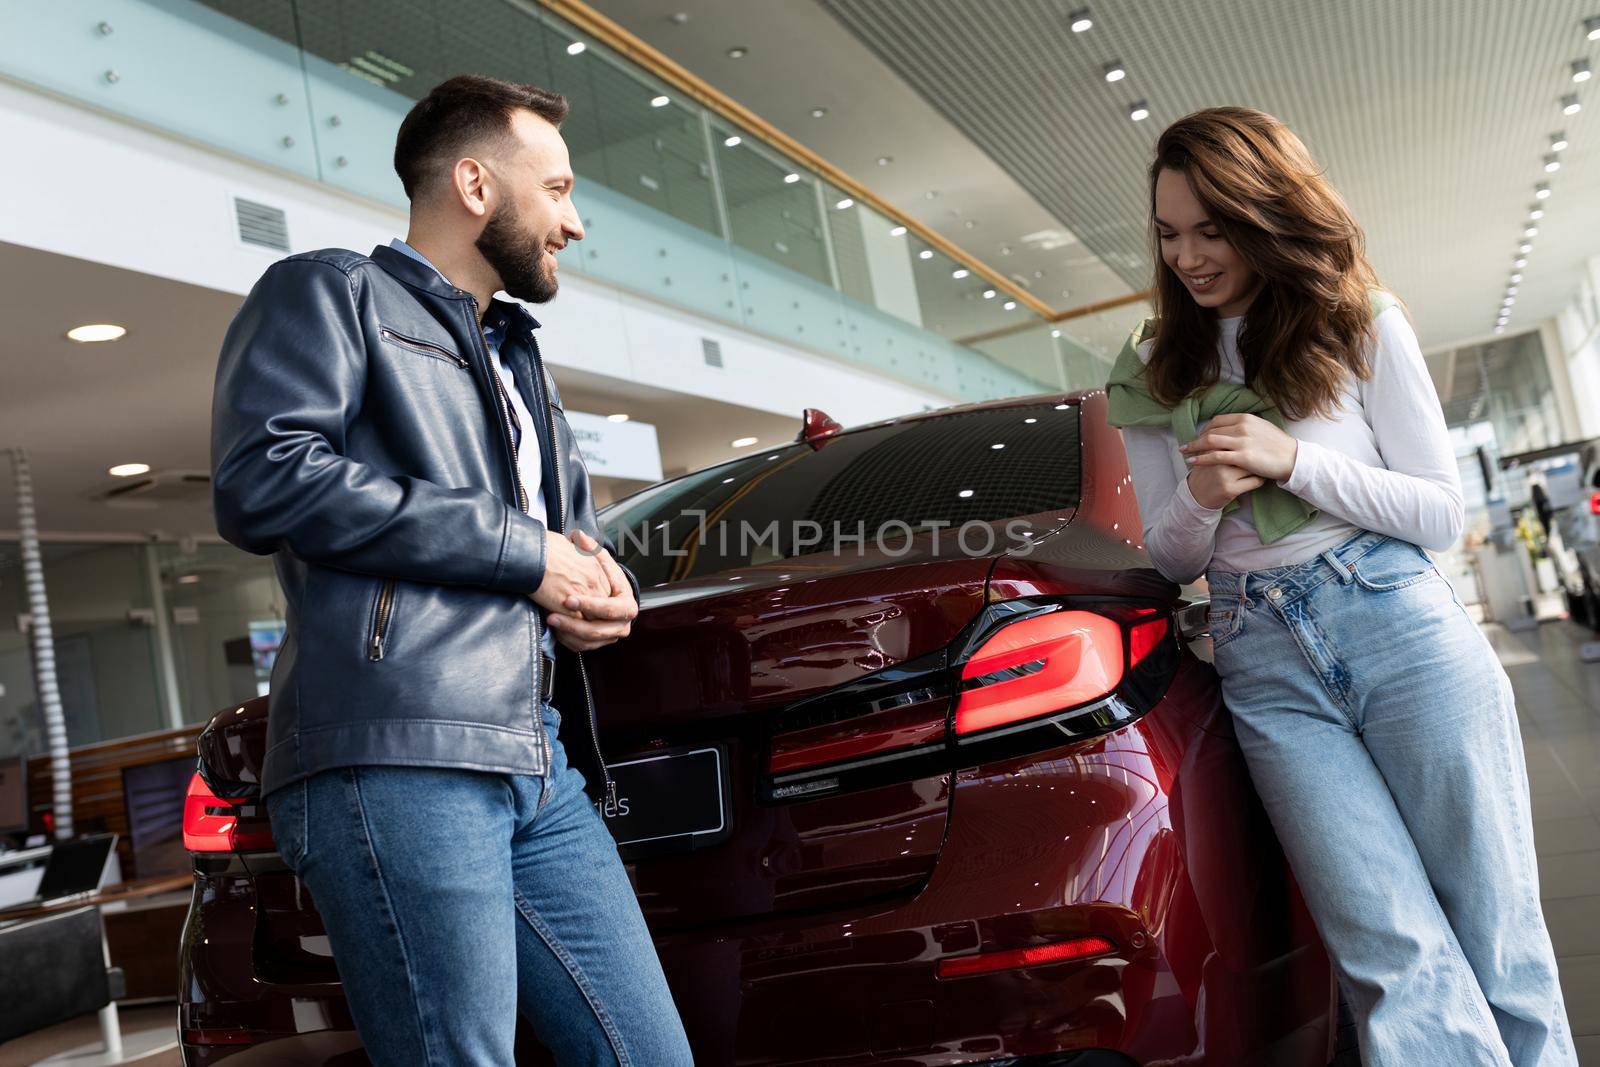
867, 488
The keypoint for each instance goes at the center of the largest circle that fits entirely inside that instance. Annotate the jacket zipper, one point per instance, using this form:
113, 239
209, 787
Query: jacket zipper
427, 348
382, 608
522, 502
561, 521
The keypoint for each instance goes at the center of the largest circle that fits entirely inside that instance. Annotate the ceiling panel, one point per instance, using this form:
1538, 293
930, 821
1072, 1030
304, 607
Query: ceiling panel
1432, 117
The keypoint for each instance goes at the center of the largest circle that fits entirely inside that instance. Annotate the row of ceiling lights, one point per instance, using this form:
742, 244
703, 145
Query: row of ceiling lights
1114, 71
1570, 105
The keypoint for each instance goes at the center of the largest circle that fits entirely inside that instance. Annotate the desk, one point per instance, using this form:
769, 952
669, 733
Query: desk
121, 896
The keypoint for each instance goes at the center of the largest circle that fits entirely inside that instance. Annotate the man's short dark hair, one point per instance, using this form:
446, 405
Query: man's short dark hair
460, 115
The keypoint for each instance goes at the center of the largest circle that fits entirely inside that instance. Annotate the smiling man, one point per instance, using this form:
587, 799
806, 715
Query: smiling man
383, 426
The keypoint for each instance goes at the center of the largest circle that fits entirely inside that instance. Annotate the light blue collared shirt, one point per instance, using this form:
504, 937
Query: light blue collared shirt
529, 460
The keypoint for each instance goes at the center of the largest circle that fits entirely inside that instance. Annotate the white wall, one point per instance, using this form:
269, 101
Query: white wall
84, 184
1577, 332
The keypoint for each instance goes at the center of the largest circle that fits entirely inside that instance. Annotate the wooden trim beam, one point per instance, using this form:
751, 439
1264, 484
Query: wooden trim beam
625, 44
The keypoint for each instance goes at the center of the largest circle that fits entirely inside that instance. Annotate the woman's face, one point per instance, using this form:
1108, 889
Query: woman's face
1196, 252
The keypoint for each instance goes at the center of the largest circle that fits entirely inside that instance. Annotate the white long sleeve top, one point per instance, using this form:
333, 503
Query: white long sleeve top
1381, 462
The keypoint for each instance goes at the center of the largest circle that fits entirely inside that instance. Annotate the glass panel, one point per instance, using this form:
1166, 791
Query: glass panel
227, 615
956, 303
877, 482
775, 218
849, 244
104, 644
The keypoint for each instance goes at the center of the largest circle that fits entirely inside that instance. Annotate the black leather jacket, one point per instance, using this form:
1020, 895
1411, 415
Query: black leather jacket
360, 435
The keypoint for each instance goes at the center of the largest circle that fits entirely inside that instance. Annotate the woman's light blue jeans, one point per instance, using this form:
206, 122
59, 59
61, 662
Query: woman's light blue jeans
455, 899
1381, 733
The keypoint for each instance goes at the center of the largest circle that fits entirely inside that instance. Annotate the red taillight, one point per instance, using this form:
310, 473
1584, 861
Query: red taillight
1594, 503
211, 823
868, 735
1039, 665
215, 1036
1145, 638
1060, 952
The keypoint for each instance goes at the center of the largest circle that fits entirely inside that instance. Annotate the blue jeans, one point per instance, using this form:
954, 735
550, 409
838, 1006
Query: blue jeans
454, 899
1381, 733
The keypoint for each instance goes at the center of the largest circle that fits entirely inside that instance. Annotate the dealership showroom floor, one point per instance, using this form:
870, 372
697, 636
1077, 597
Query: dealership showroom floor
1558, 700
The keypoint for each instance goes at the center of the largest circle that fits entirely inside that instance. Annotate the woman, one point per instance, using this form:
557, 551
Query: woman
1285, 440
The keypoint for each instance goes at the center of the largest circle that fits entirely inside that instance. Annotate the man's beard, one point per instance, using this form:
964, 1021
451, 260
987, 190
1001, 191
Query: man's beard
518, 259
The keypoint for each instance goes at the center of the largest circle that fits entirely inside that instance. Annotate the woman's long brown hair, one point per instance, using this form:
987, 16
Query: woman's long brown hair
1306, 331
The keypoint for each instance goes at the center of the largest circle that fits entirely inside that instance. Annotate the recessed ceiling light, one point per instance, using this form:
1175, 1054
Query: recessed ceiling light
128, 470
898, 231
925, 254
1500, 328
1531, 231
1080, 20
743, 442
188, 579
790, 179
1542, 191
989, 294
1519, 263
931, 194
660, 101
884, 161
1591, 28
732, 142
1535, 213
1515, 278
576, 48
1570, 105
1139, 112
1558, 142
678, 17
1552, 163
959, 274
845, 204
1510, 300
1055, 333
621, 416
818, 112
1524, 248
1511, 290
738, 52
1115, 72
1581, 71
100, 331
1010, 305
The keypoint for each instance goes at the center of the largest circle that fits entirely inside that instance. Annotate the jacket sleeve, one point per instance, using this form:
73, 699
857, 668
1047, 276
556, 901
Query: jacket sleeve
290, 379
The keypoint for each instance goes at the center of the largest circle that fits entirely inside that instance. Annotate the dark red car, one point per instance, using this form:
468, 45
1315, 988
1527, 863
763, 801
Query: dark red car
940, 784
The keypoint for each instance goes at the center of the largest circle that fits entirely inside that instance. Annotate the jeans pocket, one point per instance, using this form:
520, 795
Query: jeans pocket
286, 809
1392, 565
1224, 621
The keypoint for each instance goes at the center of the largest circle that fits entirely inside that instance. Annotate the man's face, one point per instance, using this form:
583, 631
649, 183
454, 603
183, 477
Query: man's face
533, 216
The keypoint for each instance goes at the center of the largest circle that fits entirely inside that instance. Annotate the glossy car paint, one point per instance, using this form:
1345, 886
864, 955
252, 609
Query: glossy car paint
814, 931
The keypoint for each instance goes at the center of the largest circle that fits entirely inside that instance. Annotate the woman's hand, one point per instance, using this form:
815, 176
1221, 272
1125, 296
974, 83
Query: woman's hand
1217, 483
1247, 442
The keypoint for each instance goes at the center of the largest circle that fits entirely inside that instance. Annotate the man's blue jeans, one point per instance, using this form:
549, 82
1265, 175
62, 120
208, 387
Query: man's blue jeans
454, 899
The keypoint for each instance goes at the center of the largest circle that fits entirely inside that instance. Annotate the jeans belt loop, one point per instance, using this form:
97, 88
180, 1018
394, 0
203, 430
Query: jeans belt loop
1344, 570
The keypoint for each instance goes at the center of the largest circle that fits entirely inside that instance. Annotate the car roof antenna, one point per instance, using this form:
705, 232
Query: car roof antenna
818, 426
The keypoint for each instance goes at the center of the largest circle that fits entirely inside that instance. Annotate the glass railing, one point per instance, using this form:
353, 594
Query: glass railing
680, 205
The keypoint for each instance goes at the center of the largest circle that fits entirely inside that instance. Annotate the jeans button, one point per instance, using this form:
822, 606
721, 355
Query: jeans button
1274, 593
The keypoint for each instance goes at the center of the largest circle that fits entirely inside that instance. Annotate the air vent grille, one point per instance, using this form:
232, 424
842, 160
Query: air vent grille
712, 351
261, 224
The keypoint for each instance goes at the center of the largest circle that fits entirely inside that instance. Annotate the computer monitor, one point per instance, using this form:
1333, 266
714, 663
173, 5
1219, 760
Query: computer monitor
76, 866
14, 795
152, 795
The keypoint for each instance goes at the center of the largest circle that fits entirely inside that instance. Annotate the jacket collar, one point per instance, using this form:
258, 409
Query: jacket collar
423, 276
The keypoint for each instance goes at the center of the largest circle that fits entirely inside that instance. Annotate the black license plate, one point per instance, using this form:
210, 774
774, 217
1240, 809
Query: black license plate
669, 800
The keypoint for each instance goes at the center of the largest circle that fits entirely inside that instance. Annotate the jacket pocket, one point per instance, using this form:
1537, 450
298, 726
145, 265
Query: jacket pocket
381, 618
421, 347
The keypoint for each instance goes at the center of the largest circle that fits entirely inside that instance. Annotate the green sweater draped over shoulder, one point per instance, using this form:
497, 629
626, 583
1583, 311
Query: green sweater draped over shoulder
1276, 511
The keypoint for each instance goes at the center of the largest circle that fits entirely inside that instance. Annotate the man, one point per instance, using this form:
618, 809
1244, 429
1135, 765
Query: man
384, 426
